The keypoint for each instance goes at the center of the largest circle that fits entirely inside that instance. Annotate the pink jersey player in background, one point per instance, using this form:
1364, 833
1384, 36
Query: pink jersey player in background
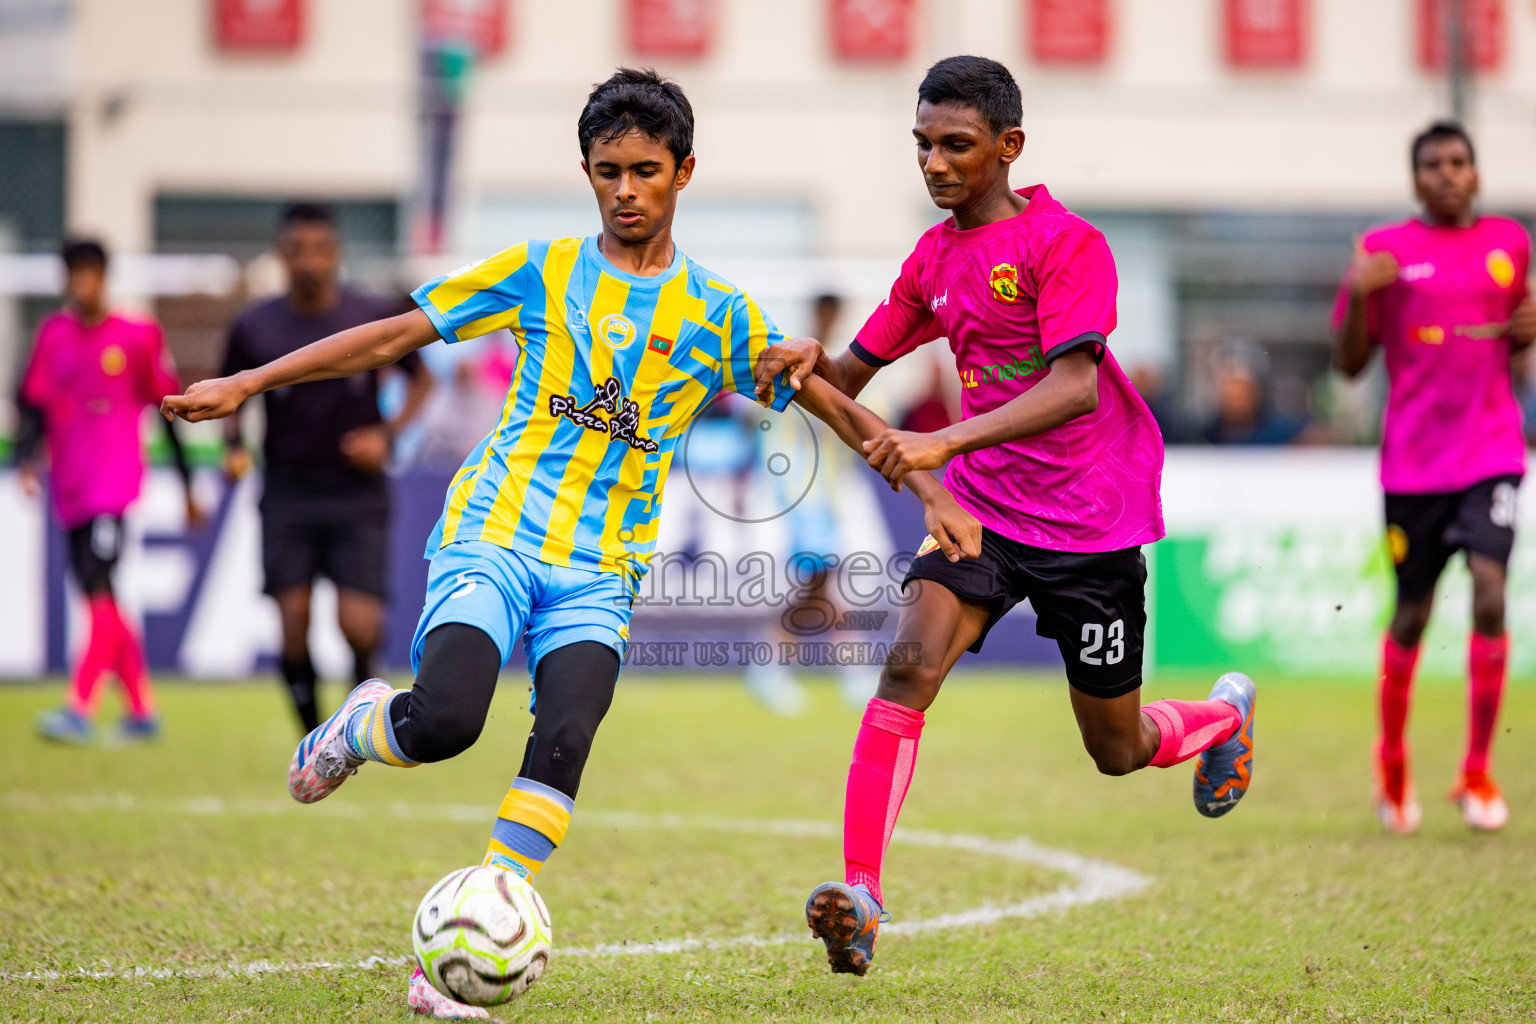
1056, 455
1445, 297
91, 376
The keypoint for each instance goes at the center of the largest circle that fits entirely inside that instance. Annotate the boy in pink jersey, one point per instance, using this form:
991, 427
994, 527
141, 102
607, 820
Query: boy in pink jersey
1057, 456
92, 374
1445, 297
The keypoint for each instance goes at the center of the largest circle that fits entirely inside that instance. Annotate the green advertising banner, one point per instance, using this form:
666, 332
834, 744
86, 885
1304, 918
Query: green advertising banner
1276, 563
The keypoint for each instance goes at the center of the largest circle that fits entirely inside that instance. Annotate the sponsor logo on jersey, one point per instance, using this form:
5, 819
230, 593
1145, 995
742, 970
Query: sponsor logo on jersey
616, 329
113, 360
623, 423
1005, 283
1501, 268
1417, 272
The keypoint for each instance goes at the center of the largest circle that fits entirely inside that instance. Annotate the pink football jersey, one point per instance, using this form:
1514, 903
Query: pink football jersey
1451, 418
92, 384
1011, 296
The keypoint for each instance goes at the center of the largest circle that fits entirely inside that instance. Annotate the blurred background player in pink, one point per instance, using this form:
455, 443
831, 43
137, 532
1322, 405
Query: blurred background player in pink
1445, 296
92, 374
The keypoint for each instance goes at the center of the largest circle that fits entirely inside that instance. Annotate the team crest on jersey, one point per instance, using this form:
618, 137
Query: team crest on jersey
623, 423
616, 329
1005, 283
113, 360
1501, 268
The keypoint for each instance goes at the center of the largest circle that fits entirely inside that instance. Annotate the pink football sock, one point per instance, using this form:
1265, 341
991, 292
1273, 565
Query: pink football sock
883, 756
1393, 695
1188, 727
132, 669
1486, 657
100, 654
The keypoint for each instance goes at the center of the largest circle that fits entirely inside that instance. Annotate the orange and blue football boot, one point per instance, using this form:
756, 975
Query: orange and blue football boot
846, 918
1224, 771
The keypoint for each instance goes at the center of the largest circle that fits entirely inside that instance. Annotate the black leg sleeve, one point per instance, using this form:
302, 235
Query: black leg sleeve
574, 686
442, 715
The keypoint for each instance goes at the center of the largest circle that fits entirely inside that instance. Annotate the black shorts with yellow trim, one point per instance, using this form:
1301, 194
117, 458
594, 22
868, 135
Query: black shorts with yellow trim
1425, 530
1093, 605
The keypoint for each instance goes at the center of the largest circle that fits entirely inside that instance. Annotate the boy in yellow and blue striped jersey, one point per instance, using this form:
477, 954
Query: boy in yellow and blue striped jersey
550, 524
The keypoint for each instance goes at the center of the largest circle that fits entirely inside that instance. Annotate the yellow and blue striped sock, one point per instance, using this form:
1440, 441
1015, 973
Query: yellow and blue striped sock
371, 733
531, 823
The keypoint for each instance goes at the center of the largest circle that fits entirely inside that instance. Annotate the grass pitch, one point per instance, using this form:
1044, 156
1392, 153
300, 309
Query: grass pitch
188, 859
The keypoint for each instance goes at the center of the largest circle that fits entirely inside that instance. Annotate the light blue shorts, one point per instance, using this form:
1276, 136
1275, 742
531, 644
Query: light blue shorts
509, 594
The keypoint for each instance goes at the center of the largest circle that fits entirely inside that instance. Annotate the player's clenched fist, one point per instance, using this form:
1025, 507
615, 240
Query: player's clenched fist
1372, 271
895, 453
1522, 324
797, 355
206, 400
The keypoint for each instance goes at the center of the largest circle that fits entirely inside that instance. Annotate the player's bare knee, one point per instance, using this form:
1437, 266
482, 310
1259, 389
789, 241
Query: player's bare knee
1488, 614
911, 685
1114, 757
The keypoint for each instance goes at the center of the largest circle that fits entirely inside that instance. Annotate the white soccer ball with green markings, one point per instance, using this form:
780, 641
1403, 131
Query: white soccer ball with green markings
482, 936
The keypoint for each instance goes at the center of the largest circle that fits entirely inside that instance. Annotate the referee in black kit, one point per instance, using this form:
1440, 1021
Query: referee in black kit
325, 505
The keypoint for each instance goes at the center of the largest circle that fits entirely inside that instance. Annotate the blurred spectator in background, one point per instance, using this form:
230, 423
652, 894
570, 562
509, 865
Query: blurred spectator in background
460, 416
92, 374
812, 535
1243, 414
1150, 383
325, 501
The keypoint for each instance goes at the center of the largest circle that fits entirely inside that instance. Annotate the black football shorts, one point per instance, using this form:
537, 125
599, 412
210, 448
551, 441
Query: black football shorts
348, 546
1093, 605
94, 549
1425, 530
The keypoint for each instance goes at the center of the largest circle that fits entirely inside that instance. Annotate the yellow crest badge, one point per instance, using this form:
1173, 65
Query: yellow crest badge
113, 360
928, 544
1005, 283
1501, 268
1397, 543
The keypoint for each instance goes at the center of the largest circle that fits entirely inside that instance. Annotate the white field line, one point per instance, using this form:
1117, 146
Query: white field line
1093, 880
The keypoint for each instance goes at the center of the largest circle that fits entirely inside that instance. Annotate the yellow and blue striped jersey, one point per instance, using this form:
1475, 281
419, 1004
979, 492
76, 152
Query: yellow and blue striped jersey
611, 370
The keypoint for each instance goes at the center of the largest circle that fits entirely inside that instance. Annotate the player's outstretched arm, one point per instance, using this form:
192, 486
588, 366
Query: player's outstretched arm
341, 355
956, 530
1070, 390
803, 357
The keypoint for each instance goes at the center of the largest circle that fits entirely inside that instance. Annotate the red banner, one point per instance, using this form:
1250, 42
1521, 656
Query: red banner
671, 28
270, 25
872, 29
478, 24
1482, 34
1069, 31
1266, 33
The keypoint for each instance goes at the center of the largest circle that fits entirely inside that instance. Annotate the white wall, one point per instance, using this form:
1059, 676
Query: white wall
1165, 124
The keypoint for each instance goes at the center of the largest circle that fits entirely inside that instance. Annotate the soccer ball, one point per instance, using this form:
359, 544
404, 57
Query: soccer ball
482, 936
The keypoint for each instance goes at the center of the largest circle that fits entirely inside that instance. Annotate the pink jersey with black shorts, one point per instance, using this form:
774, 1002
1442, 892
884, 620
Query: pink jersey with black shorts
1451, 418
1010, 297
92, 384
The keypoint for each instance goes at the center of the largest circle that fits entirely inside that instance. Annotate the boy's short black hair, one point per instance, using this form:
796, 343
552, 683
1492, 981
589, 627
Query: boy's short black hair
984, 85
1439, 132
637, 99
307, 213
83, 252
